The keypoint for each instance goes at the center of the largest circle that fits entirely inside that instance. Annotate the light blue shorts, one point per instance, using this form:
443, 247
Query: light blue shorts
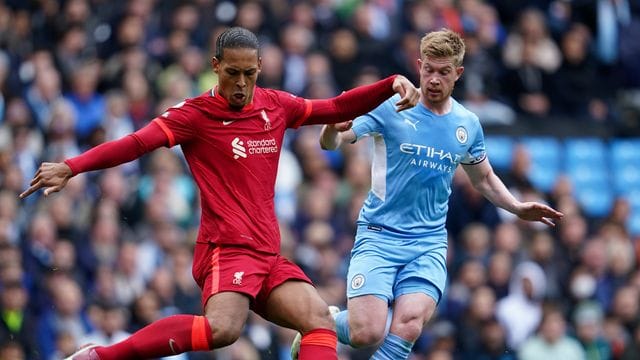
388, 266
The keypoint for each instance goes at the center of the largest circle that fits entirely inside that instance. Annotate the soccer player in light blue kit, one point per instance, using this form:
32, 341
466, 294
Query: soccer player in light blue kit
399, 256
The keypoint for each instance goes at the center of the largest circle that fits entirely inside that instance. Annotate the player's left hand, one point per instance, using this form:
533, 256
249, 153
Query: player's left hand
409, 94
533, 211
51, 177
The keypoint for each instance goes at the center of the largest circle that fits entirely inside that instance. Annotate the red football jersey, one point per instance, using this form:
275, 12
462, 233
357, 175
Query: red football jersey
233, 157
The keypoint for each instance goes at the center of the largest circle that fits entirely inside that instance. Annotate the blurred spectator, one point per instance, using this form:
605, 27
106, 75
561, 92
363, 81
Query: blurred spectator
17, 323
626, 308
12, 350
467, 205
88, 103
632, 349
520, 312
344, 51
531, 56
61, 131
499, 272
573, 92
493, 343
542, 251
296, 42
110, 322
480, 310
588, 321
530, 44
45, 90
551, 341
480, 84
129, 281
66, 316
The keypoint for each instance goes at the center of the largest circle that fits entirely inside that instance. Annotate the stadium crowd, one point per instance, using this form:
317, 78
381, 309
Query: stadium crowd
112, 252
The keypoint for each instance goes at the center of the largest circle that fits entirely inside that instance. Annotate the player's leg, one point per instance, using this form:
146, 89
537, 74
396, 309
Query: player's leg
289, 299
410, 313
297, 305
225, 315
365, 320
370, 280
418, 289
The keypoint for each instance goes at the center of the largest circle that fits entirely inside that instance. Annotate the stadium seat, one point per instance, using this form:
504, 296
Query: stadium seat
626, 177
633, 196
624, 151
584, 173
625, 164
500, 151
595, 201
633, 223
585, 150
546, 156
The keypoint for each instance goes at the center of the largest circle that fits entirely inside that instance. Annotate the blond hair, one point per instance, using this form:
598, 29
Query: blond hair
444, 43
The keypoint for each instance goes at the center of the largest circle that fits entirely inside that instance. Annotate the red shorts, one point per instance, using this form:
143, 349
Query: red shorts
255, 274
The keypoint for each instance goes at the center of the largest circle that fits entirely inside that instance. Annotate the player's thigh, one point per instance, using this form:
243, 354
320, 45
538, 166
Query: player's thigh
416, 307
297, 305
227, 313
368, 313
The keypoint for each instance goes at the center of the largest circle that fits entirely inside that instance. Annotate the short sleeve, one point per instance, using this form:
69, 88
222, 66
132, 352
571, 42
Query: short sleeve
178, 122
477, 151
374, 121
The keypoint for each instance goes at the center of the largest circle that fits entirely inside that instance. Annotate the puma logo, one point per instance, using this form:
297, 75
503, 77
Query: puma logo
407, 121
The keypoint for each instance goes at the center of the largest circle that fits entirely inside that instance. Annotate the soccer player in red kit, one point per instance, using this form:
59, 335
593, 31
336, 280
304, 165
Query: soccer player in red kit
231, 137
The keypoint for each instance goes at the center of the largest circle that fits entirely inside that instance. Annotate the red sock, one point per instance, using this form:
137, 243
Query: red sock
169, 336
319, 344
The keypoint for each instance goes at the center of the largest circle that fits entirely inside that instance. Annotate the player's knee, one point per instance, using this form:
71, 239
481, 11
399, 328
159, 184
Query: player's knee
366, 333
366, 337
321, 319
224, 333
409, 329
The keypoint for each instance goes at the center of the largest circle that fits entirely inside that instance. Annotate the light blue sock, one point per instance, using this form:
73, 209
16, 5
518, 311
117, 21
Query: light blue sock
342, 327
393, 348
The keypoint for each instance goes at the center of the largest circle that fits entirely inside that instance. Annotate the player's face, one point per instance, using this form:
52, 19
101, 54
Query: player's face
437, 78
237, 74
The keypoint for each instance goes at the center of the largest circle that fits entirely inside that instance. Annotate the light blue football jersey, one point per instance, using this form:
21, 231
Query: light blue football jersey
415, 155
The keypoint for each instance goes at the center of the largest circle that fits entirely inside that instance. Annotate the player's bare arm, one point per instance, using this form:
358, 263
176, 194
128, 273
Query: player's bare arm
51, 177
489, 184
333, 136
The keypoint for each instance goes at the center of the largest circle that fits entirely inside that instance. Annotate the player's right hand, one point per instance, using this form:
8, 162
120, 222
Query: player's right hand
50, 176
342, 126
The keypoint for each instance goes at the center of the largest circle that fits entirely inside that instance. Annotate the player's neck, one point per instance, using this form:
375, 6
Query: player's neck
439, 108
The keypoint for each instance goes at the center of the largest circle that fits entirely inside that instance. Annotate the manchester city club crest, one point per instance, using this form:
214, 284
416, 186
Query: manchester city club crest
357, 281
461, 135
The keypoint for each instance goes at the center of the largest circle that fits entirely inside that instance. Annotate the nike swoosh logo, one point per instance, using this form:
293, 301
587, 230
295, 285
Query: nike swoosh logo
228, 122
171, 344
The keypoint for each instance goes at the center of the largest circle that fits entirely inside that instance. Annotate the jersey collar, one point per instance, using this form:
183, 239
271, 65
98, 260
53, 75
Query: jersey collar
216, 94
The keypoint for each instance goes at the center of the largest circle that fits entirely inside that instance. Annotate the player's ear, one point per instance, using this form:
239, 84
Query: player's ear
259, 64
459, 71
215, 64
419, 64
